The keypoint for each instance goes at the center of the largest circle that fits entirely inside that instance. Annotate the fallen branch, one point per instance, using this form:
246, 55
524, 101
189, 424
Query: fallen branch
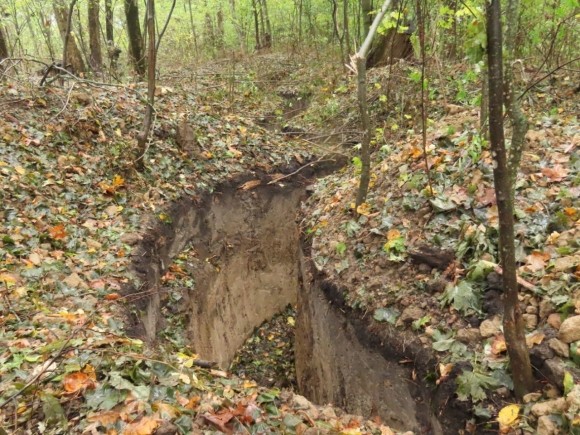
320, 160
525, 284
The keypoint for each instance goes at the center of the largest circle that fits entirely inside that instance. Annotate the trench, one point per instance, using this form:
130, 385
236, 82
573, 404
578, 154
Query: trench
250, 262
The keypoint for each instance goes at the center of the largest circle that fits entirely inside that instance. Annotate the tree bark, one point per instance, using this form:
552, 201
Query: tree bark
367, 9
512, 321
4, 53
360, 66
109, 33
135, 37
256, 24
151, 64
96, 57
71, 53
519, 121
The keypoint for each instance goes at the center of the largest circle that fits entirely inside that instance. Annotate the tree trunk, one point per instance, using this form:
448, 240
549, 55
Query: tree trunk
367, 9
268, 32
151, 64
4, 53
71, 53
346, 29
109, 23
256, 24
512, 321
135, 37
193, 31
360, 66
519, 121
96, 57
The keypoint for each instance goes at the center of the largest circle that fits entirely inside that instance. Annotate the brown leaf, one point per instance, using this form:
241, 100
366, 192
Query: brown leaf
145, 426
220, 420
535, 338
557, 173
536, 261
248, 185
77, 381
498, 345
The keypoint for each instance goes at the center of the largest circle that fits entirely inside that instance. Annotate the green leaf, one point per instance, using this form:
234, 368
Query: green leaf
291, 420
388, 314
341, 248
463, 297
52, 409
473, 384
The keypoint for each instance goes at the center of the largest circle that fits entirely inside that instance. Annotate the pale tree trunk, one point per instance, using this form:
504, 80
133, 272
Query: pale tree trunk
512, 322
237, 26
193, 31
96, 57
360, 66
135, 37
71, 53
151, 63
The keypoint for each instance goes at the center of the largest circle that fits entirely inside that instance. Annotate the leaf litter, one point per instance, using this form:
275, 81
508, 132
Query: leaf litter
72, 211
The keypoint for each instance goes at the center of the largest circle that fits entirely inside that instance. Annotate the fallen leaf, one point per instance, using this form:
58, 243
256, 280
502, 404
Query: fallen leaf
508, 415
77, 381
534, 339
557, 173
58, 232
250, 184
145, 426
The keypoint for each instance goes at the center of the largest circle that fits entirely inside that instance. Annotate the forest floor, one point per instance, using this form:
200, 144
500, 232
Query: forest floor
73, 210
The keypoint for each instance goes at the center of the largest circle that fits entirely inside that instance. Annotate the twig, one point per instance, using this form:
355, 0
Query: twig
47, 365
321, 159
68, 95
525, 284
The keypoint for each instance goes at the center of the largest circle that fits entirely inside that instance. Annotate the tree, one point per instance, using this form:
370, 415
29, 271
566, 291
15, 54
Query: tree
4, 53
359, 65
512, 322
95, 58
71, 53
135, 37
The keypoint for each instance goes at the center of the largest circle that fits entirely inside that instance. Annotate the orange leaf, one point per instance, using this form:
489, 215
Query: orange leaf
105, 418
58, 232
535, 338
112, 296
393, 234
77, 381
145, 426
498, 345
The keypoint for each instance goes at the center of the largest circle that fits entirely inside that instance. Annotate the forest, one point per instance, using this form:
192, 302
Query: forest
289, 216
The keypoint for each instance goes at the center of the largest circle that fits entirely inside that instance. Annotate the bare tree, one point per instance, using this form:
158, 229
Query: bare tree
512, 322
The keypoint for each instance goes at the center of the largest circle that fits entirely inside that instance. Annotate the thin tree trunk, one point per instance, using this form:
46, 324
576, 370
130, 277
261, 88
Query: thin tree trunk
361, 59
151, 64
4, 53
46, 29
193, 31
420, 6
96, 57
256, 24
367, 8
268, 33
346, 29
109, 32
519, 121
512, 321
71, 53
135, 37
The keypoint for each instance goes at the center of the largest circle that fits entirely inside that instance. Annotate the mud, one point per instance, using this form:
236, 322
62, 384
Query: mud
248, 265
